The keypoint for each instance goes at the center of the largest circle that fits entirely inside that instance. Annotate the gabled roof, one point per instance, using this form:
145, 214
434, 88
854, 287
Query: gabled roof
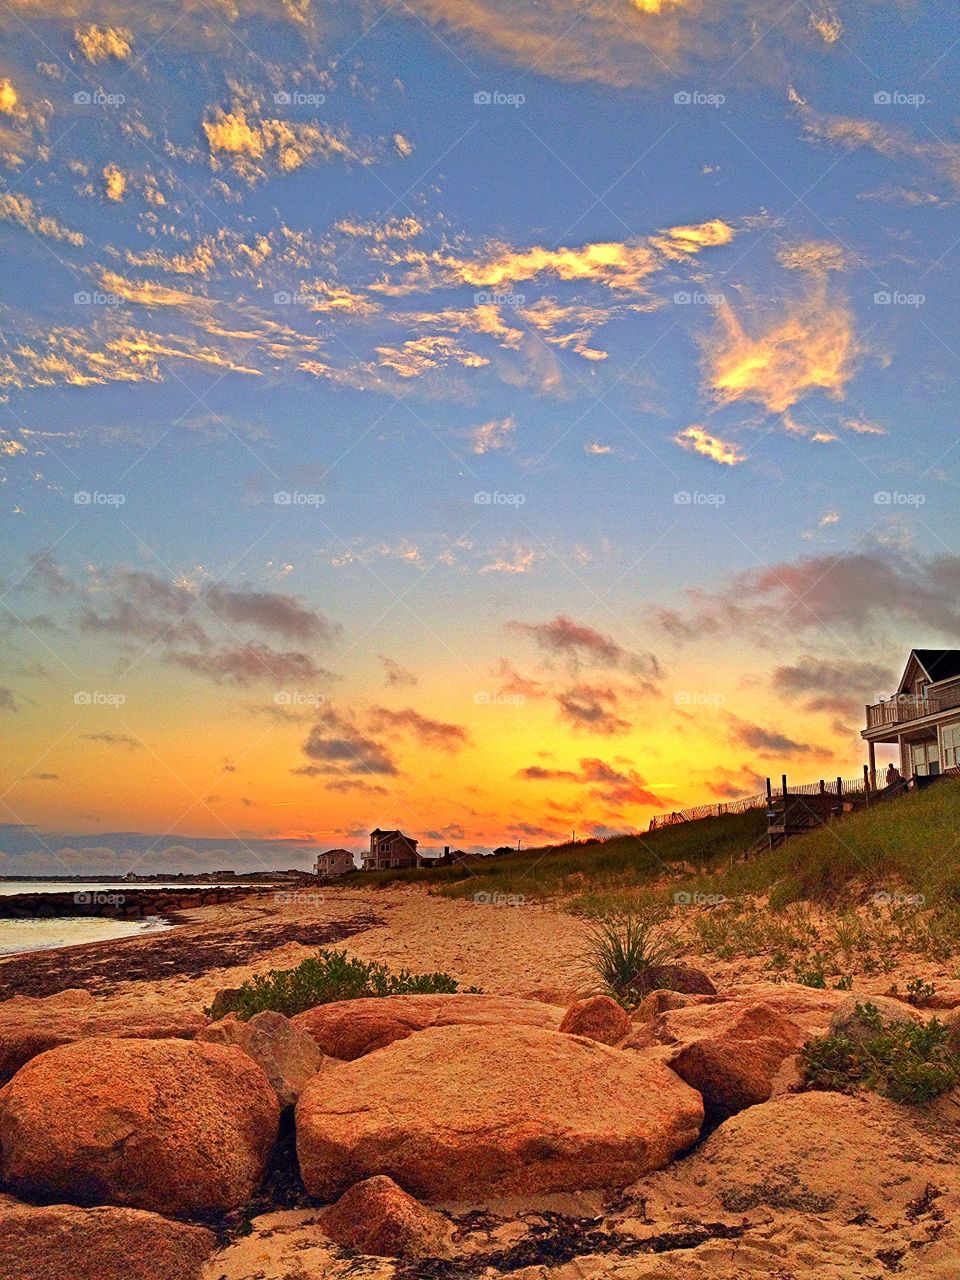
939, 664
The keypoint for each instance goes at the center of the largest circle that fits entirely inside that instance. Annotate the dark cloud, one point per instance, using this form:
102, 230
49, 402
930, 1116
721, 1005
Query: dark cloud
435, 733
840, 687
593, 708
250, 663
583, 645
767, 740
113, 740
395, 676
864, 593
337, 744
7, 701
607, 783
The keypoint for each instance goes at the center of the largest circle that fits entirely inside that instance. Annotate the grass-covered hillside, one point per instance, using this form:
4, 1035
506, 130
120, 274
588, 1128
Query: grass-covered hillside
876, 892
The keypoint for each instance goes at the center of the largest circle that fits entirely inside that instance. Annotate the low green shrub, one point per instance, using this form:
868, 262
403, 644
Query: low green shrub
906, 1061
325, 977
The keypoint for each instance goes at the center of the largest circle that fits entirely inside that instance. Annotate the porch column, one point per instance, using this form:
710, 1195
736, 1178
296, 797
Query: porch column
871, 748
906, 764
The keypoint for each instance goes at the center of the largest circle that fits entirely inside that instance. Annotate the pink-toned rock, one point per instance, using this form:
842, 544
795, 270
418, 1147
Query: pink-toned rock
349, 1029
673, 977
287, 1055
729, 1052
167, 1125
30, 1025
378, 1217
598, 1018
464, 1110
736, 1068
62, 1242
658, 1002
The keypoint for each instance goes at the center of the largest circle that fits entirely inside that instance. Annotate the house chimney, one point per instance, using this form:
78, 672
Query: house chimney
446, 851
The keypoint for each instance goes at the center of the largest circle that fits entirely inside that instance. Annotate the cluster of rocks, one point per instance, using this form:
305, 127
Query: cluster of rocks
115, 904
121, 1149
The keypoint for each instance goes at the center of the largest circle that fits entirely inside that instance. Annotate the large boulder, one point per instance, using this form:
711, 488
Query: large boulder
856, 1018
730, 1052
287, 1055
598, 1018
348, 1029
455, 1111
30, 1025
178, 1128
378, 1217
62, 1242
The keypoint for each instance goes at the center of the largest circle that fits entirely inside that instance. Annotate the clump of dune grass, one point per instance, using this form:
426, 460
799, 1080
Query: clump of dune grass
620, 950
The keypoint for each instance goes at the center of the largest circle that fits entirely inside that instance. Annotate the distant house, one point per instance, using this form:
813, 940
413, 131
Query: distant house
390, 849
922, 718
335, 862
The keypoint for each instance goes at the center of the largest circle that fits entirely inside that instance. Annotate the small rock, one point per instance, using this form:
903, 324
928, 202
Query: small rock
62, 1242
378, 1217
287, 1056
672, 977
658, 1002
598, 1018
171, 1126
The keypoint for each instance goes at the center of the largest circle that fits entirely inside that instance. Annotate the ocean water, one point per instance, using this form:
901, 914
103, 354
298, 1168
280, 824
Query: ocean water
19, 936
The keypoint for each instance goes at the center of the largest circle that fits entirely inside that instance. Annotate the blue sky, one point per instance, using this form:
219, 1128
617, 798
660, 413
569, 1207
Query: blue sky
635, 380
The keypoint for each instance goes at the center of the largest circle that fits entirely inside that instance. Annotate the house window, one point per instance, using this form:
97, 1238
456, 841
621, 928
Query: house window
951, 745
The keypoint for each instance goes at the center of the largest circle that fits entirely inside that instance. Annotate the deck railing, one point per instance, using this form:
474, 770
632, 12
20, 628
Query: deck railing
905, 707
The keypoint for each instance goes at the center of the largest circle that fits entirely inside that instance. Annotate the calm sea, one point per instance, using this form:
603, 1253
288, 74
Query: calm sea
18, 936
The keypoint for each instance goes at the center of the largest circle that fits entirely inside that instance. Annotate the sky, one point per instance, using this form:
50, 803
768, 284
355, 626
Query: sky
488, 419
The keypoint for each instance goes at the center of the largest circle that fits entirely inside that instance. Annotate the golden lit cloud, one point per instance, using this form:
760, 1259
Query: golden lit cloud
114, 183
420, 355
810, 346
620, 265
253, 145
10, 100
21, 209
97, 44
827, 26
495, 434
813, 256
696, 440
